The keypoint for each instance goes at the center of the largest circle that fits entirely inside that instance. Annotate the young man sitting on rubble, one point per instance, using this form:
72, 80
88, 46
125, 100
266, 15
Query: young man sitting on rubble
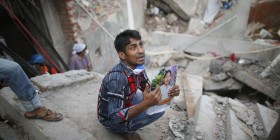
12, 75
124, 94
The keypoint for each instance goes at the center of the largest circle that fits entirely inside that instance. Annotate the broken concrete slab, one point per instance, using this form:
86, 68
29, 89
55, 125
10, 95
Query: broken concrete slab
60, 80
235, 128
8, 133
251, 122
174, 5
204, 126
158, 60
196, 27
220, 46
192, 88
267, 116
199, 67
237, 124
256, 83
39, 129
188, 6
229, 84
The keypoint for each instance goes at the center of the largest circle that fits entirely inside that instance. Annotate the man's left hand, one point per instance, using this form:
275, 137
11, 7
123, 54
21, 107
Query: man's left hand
175, 91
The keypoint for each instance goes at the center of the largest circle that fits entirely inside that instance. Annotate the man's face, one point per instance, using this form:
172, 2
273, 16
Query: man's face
134, 53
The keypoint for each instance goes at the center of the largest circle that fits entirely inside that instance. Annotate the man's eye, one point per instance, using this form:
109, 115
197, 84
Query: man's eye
133, 47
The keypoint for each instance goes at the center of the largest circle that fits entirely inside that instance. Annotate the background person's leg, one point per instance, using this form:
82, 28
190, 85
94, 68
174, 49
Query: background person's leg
12, 74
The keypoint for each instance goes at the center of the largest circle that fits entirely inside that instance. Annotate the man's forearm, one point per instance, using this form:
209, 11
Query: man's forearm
136, 110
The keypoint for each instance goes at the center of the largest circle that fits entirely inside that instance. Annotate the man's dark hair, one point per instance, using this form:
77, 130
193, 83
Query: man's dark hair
123, 39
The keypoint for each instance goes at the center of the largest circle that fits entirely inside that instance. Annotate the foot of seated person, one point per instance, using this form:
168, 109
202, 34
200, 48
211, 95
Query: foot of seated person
44, 114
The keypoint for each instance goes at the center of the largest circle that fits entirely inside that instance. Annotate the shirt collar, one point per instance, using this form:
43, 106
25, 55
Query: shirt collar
126, 68
130, 71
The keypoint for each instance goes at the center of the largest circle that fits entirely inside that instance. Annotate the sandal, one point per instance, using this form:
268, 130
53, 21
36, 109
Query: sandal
44, 114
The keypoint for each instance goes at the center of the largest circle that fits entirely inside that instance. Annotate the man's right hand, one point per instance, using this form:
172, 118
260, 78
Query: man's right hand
149, 99
152, 98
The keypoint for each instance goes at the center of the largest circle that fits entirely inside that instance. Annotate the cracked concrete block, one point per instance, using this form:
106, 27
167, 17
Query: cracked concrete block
254, 82
205, 116
192, 87
60, 80
267, 116
235, 128
40, 129
229, 84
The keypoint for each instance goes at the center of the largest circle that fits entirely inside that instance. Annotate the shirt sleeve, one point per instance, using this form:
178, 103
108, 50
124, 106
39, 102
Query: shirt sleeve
118, 113
72, 63
88, 60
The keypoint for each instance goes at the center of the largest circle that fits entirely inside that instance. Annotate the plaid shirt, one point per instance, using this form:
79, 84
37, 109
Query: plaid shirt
116, 94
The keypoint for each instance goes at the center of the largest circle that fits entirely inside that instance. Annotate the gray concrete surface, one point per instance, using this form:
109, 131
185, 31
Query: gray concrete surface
268, 117
192, 88
221, 46
236, 29
205, 107
235, 128
61, 80
39, 129
229, 84
7, 132
254, 82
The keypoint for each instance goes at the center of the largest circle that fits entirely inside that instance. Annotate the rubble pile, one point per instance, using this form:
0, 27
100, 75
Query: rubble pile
162, 22
97, 9
228, 112
221, 112
257, 32
192, 17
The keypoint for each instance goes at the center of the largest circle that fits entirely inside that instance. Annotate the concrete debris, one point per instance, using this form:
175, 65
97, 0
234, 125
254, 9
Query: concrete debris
181, 128
220, 108
167, 19
205, 107
211, 84
248, 118
192, 88
268, 118
199, 67
177, 9
11, 132
60, 80
250, 77
219, 77
171, 18
158, 60
196, 27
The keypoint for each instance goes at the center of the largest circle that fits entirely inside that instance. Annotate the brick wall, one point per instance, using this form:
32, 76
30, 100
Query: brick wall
67, 15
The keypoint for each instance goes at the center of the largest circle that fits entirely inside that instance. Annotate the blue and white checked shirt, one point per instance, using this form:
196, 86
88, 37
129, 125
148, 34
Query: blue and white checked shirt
114, 94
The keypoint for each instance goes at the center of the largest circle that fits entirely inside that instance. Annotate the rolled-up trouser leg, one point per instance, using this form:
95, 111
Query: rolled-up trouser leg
12, 74
32, 104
